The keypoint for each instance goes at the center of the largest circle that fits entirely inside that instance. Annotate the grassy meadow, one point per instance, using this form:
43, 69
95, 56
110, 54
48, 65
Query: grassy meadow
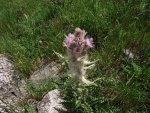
31, 29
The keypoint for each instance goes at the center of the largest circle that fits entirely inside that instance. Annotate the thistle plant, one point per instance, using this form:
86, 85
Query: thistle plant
77, 46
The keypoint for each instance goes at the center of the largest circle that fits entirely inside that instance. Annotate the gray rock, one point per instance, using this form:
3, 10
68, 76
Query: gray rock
51, 103
50, 70
9, 87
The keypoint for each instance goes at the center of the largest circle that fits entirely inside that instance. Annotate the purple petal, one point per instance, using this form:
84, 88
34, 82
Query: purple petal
71, 35
69, 40
89, 42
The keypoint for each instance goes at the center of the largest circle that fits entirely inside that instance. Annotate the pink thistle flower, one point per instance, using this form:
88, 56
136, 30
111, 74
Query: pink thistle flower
69, 40
78, 30
80, 33
89, 42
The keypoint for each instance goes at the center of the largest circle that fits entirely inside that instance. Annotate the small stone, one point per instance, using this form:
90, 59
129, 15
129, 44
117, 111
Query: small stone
47, 71
51, 103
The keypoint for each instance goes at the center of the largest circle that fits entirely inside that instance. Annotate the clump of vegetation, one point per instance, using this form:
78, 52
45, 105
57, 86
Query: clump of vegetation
31, 30
76, 46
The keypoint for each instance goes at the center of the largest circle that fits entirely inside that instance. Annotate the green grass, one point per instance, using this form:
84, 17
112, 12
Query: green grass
124, 83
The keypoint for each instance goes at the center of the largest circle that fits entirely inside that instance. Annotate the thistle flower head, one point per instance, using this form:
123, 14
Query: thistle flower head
80, 34
89, 42
78, 42
69, 40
